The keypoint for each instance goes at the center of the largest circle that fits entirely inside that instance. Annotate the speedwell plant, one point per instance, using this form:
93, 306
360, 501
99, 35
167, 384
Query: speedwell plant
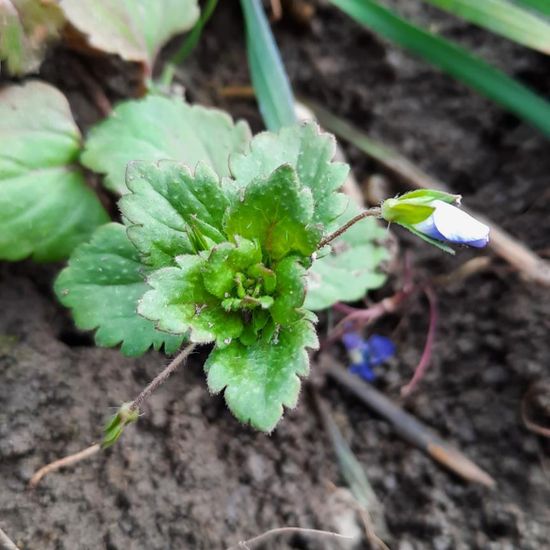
223, 258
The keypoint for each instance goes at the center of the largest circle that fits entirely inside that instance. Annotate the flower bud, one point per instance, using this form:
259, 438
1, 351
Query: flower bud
432, 216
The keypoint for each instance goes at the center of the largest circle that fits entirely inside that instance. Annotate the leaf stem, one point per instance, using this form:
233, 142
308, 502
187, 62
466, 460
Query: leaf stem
135, 405
63, 462
162, 377
367, 213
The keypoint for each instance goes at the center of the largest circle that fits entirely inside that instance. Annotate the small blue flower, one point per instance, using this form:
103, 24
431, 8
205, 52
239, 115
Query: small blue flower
366, 354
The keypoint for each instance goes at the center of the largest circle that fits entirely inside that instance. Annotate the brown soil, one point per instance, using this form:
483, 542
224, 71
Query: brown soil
188, 475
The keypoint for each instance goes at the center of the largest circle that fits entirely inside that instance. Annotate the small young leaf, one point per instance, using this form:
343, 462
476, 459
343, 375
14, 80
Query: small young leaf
262, 378
160, 128
46, 208
276, 210
351, 269
102, 285
26, 28
179, 303
310, 153
133, 29
170, 208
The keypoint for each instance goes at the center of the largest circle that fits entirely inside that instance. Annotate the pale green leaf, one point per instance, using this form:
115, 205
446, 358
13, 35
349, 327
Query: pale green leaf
179, 303
309, 151
26, 29
266, 69
502, 17
352, 267
452, 59
261, 379
102, 285
46, 208
277, 211
160, 128
168, 208
133, 29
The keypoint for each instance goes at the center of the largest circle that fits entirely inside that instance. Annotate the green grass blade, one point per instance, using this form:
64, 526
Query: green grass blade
266, 69
542, 6
453, 60
504, 18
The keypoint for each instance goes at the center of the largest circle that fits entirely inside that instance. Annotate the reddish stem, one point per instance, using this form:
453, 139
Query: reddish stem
422, 366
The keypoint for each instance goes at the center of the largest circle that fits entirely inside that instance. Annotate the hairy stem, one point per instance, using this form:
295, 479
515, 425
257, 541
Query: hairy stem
161, 377
135, 405
367, 213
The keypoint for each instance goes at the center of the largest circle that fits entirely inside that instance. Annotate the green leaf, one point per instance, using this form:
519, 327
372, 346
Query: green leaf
291, 291
453, 60
277, 211
168, 208
262, 378
504, 18
351, 268
26, 29
179, 303
266, 69
225, 261
133, 29
160, 128
102, 285
309, 151
46, 208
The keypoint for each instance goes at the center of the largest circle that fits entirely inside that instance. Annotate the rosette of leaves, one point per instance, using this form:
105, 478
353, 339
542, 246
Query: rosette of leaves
217, 258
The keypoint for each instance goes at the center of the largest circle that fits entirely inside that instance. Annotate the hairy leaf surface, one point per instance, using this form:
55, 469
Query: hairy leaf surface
276, 210
169, 209
102, 285
160, 128
310, 153
261, 379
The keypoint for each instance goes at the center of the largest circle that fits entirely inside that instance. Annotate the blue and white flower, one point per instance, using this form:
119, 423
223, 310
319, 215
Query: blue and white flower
449, 223
435, 217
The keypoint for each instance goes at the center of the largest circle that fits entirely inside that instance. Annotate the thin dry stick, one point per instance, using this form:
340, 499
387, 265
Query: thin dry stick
406, 425
6, 543
135, 405
424, 362
264, 537
531, 266
346, 226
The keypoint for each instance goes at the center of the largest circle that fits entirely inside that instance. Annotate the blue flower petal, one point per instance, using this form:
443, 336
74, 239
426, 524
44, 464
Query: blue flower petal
363, 370
379, 349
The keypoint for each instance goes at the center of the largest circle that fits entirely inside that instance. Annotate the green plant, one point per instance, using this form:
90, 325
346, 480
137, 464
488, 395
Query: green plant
224, 237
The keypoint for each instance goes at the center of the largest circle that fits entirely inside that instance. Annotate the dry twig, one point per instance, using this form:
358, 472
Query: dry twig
406, 425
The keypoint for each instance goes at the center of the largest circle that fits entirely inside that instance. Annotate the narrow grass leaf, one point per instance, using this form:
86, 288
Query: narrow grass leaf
504, 18
267, 72
453, 60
